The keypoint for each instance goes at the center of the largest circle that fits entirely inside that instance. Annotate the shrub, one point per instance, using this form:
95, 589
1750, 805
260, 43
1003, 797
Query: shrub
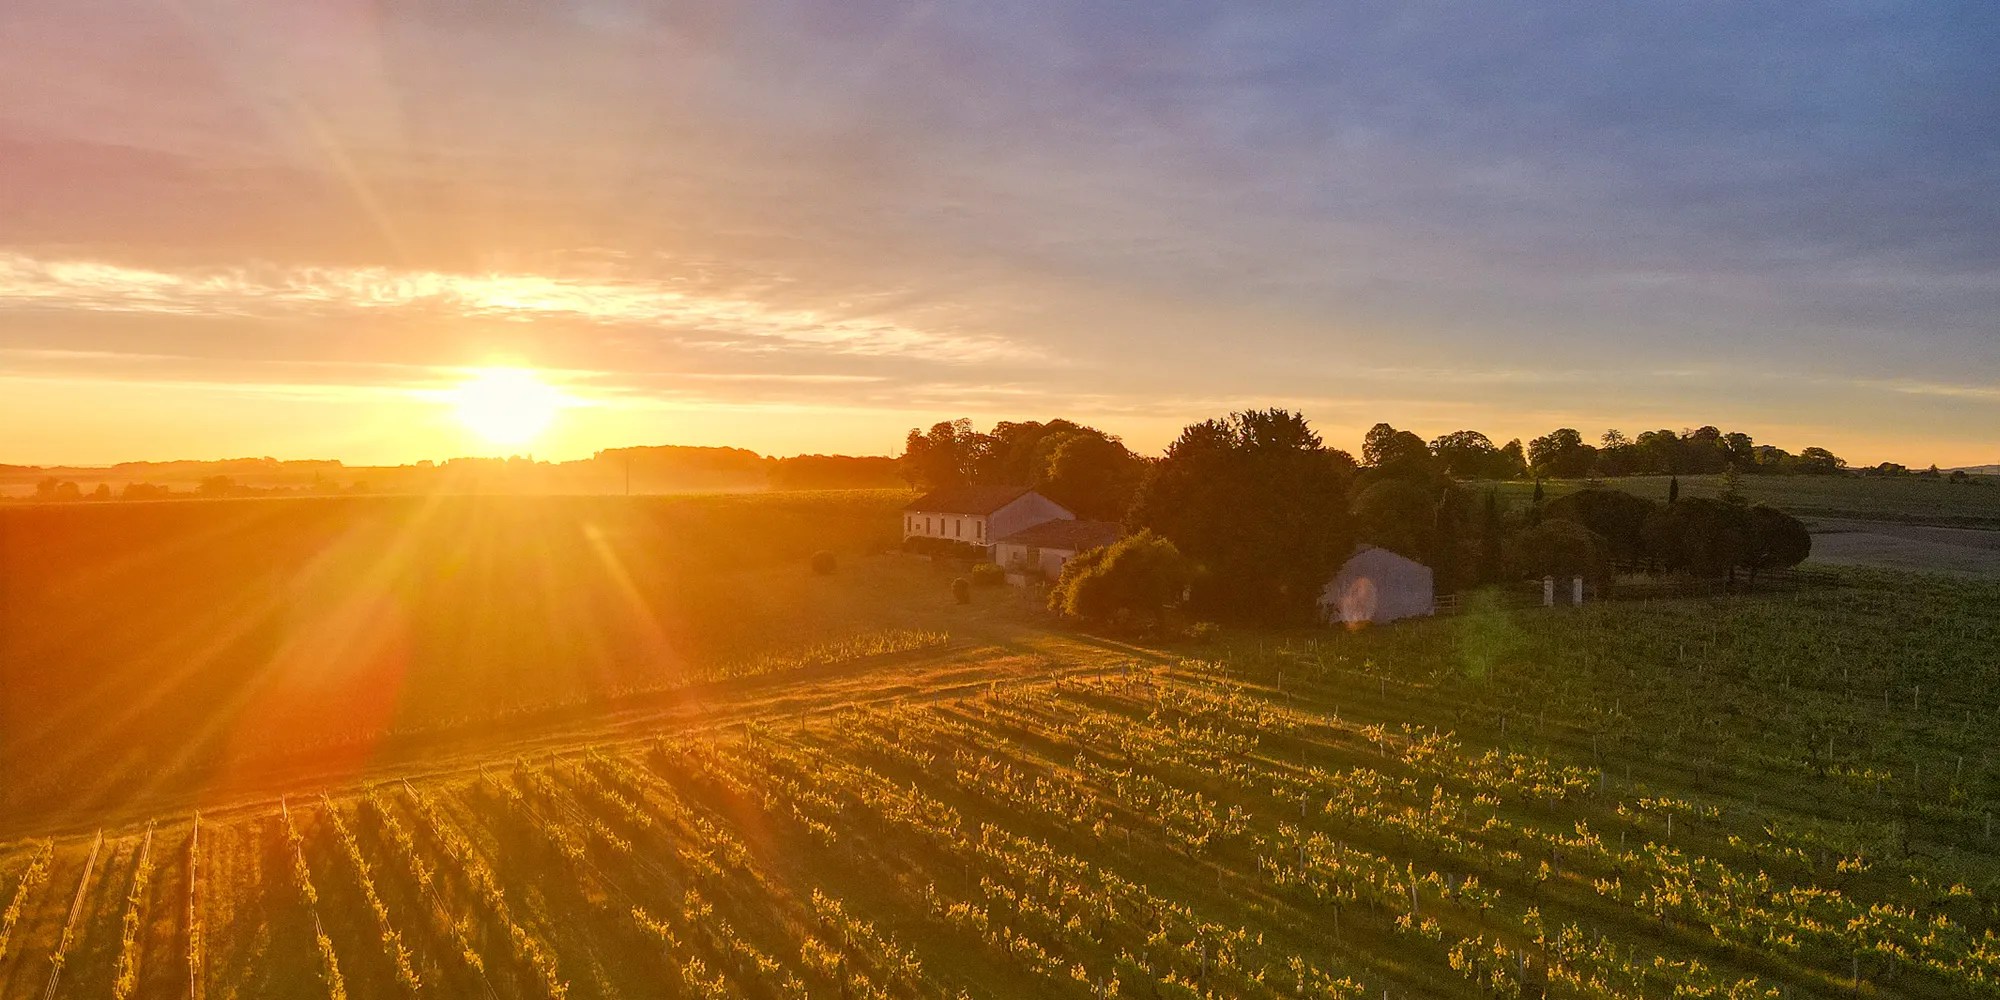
988, 575
961, 590
823, 563
1561, 549
1141, 574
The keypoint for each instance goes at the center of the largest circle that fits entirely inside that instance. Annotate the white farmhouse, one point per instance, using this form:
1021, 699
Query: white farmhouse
977, 515
1049, 546
1377, 585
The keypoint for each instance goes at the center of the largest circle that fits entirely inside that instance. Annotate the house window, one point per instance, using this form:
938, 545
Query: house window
958, 528
979, 530
927, 526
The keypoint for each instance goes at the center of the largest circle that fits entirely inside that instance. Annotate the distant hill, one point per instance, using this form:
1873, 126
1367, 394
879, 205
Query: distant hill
1978, 470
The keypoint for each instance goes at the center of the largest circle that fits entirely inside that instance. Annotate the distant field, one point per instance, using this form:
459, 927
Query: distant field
161, 645
1907, 500
1779, 796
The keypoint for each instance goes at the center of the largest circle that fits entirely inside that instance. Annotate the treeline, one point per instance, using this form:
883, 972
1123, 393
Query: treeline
1259, 513
650, 469
1564, 454
1093, 473
1084, 469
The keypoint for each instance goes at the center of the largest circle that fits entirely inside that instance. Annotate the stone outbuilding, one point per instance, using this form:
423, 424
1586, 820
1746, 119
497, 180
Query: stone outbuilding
1377, 585
1049, 546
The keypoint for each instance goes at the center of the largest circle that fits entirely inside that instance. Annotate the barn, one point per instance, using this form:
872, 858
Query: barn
977, 515
1377, 585
1049, 546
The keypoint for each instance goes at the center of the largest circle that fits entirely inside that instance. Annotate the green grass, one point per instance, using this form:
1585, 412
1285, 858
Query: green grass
1908, 500
1764, 795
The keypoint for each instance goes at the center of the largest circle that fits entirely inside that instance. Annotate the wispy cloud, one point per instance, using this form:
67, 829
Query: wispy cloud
1949, 390
715, 321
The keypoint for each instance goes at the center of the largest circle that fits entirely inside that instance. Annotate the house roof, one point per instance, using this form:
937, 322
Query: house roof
1074, 536
966, 499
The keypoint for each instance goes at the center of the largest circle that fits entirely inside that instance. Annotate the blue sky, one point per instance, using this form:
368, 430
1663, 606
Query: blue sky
231, 228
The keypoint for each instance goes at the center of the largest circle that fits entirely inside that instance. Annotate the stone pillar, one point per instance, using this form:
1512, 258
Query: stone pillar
1576, 589
1548, 591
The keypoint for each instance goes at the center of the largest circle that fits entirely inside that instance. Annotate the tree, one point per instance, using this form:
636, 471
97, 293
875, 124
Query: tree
1732, 487
1820, 462
217, 486
1618, 455
1398, 515
1141, 574
947, 455
1515, 459
1259, 503
54, 489
1560, 549
1660, 451
1772, 539
1561, 454
1619, 518
1016, 451
102, 492
1697, 535
1741, 449
1703, 451
1091, 473
1398, 452
1491, 540
1472, 455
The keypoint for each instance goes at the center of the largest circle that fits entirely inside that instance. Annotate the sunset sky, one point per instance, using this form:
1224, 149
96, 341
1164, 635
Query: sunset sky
297, 228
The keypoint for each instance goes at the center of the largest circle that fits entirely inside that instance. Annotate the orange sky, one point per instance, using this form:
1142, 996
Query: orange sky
292, 230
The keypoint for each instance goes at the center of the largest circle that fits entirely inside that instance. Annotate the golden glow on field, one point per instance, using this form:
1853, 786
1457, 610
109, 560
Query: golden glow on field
510, 406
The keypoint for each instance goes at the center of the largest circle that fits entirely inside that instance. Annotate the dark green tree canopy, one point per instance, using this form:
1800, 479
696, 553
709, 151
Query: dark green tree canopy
1399, 515
1472, 455
1260, 504
1772, 540
1092, 474
1014, 453
1617, 517
1562, 454
1399, 452
1561, 549
949, 454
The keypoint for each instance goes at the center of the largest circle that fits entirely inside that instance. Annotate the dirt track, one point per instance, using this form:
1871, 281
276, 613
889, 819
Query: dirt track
1906, 546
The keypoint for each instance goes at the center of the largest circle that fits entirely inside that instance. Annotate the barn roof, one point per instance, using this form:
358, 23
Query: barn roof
966, 499
1074, 536
1377, 557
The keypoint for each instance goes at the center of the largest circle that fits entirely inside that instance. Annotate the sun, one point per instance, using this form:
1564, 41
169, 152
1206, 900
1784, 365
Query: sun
509, 406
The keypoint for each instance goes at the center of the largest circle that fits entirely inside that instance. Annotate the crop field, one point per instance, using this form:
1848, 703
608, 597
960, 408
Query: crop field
1758, 796
150, 647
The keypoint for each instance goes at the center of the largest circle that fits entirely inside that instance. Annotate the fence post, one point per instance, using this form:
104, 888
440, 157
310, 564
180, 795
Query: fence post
1576, 591
1548, 591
